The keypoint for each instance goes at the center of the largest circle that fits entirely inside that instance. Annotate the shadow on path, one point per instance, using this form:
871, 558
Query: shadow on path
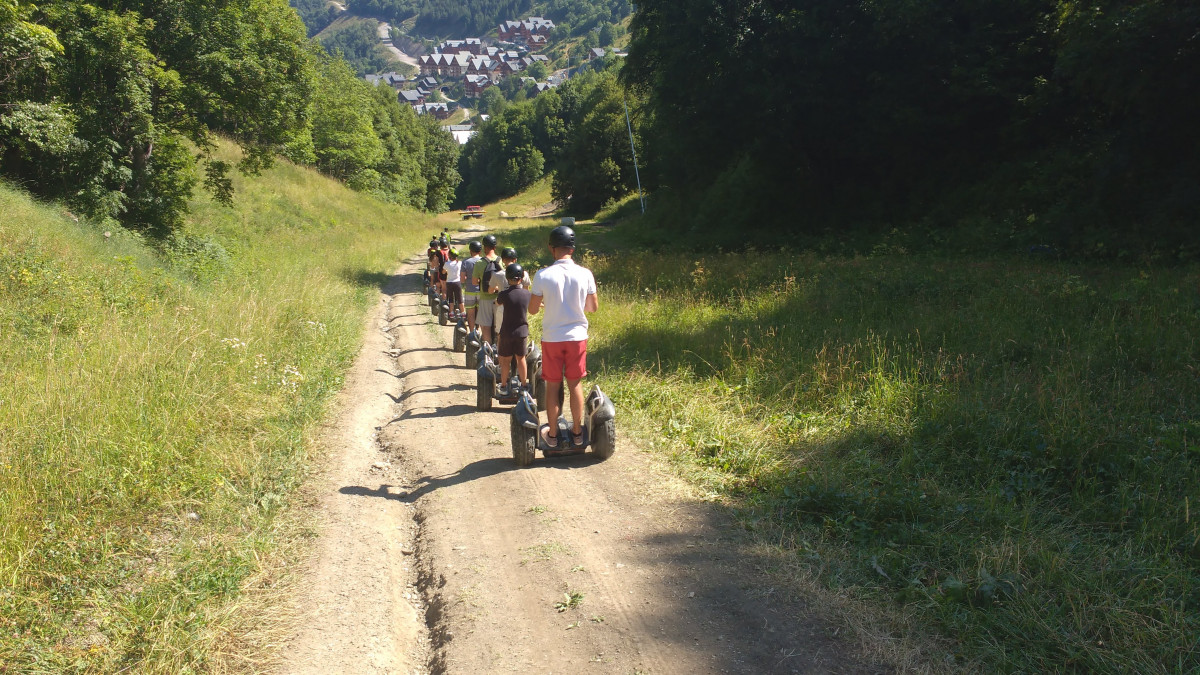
474, 471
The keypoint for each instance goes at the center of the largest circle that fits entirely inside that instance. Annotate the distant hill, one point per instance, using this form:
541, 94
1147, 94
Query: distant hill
463, 18
357, 38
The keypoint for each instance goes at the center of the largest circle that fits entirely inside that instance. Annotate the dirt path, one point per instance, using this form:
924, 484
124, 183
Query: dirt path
439, 555
385, 36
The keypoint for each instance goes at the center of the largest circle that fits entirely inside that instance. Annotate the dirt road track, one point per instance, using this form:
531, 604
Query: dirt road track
439, 555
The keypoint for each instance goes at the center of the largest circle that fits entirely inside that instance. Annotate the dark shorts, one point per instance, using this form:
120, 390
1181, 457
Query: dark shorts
454, 293
511, 345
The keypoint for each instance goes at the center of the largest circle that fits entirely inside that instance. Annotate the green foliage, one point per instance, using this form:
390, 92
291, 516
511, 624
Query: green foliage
343, 133
596, 163
104, 104
577, 130
1069, 121
316, 14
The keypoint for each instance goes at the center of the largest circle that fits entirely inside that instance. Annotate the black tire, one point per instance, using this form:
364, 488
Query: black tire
472, 362
531, 369
483, 393
443, 316
604, 439
460, 341
524, 442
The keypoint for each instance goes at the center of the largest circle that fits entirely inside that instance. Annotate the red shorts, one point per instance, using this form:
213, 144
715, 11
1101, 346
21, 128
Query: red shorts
559, 358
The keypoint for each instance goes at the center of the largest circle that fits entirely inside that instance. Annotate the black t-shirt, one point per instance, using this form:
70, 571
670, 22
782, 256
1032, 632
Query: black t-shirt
515, 301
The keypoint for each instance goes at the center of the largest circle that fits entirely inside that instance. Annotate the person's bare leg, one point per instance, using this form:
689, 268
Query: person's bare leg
575, 389
505, 367
521, 371
471, 319
552, 410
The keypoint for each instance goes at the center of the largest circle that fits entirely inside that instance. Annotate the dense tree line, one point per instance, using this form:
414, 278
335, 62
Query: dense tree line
1063, 118
578, 131
358, 43
113, 107
316, 14
464, 18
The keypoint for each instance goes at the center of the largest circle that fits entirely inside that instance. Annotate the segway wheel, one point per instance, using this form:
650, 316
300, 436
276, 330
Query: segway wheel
472, 360
460, 342
443, 316
483, 393
524, 442
604, 439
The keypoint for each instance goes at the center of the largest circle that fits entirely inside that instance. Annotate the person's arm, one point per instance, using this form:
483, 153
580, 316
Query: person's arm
591, 302
535, 304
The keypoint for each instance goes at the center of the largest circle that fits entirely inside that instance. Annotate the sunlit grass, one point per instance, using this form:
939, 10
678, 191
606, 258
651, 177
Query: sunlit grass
1002, 447
157, 409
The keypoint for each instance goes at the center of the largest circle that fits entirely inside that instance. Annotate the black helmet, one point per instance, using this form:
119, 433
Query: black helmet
514, 271
562, 237
476, 247
433, 243
489, 241
509, 253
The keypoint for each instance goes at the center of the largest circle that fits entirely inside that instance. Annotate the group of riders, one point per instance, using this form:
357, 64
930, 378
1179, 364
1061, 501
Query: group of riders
495, 295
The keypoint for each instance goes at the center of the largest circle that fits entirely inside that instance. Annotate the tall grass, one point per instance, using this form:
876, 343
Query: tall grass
157, 408
1002, 446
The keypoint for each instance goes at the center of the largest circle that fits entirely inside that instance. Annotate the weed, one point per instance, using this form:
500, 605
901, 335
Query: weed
570, 600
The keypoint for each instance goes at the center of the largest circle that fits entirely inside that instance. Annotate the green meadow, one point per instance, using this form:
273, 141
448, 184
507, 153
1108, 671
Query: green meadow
992, 457
159, 403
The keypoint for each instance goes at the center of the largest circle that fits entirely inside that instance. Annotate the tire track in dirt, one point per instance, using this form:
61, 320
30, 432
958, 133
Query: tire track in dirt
663, 583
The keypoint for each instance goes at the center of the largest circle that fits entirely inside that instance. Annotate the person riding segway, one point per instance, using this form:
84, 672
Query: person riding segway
465, 329
567, 293
488, 265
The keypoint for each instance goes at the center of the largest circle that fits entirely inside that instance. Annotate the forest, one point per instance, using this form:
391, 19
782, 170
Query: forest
114, 108
456, 18
577, 131
357, 41
1053, 122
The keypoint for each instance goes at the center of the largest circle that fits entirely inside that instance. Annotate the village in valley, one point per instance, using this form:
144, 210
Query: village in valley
478, 64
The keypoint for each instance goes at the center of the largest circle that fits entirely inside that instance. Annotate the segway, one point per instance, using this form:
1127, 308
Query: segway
599, 429
448, 314
487, 377
435, 300
474, 342
460, 335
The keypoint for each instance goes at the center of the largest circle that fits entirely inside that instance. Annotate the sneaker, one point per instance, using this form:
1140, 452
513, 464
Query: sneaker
502, 390
550, 441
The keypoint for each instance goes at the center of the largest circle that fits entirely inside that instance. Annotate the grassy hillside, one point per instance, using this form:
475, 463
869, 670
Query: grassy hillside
1001, 447
157, 408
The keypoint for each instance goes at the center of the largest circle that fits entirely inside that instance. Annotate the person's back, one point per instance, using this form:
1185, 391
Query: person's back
487, 266
453, 269
564, 287
514, 330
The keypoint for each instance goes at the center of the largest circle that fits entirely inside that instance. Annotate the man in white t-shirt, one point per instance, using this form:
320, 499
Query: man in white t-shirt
567, 292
